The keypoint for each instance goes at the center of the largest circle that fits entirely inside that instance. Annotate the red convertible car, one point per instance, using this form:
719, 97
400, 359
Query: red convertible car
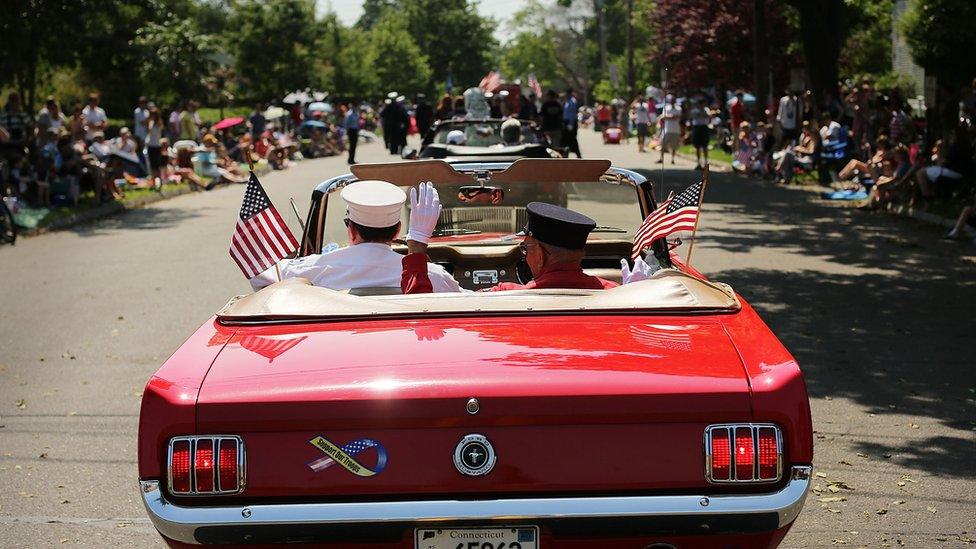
658, 414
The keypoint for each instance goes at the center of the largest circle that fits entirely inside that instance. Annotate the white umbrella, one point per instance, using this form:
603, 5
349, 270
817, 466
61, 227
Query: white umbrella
274, 112
320, 106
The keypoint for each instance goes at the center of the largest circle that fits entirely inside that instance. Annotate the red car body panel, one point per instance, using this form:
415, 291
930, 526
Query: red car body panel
556, 383
169, 399
573, 405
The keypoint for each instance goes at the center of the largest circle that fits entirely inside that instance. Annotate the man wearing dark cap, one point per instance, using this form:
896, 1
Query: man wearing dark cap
554, 244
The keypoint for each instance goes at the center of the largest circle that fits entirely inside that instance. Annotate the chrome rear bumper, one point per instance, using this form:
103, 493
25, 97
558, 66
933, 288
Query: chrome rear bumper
190, 524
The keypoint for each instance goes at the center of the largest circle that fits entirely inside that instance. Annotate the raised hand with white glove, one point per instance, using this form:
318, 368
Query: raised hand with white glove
641, 271
425, 210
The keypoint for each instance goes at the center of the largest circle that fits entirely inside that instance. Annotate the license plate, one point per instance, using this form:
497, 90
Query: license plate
515, 537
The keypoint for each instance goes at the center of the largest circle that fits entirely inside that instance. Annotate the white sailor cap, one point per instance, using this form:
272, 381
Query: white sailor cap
392, 95
373, 203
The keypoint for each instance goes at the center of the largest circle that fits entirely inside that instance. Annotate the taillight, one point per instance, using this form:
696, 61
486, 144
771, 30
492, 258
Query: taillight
179, 466
206, 465
743, 453
769, 452
721, 455
203, 466
229, 473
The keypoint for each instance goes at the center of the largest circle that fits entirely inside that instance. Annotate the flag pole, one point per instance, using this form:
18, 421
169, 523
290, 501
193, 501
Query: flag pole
701, 198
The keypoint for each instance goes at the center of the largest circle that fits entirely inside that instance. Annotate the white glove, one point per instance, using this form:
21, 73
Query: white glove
425, 210
641, 271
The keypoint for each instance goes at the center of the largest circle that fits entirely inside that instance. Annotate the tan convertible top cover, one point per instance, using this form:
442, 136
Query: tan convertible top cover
667, 291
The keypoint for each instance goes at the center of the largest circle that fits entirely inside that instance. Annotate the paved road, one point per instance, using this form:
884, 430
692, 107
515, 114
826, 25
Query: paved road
879, 312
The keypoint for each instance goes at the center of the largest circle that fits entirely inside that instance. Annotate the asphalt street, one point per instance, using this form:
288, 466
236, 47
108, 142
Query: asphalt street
878, 310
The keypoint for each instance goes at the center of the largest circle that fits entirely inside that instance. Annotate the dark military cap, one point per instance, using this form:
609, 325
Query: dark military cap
558, 226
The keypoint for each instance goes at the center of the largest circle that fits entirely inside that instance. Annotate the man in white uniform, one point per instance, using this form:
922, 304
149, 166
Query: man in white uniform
372, 221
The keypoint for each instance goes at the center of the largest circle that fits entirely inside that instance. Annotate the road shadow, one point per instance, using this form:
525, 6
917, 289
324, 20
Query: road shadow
139, 219
876, 309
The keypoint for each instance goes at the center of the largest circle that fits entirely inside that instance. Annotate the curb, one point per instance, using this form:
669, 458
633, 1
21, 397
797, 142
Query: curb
713, 165
932, 219
901, 211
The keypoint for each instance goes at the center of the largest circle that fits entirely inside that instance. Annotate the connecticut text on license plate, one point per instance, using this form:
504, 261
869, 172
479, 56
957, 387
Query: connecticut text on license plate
516, 537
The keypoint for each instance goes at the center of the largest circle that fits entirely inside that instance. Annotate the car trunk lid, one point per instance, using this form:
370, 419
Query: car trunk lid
568, 403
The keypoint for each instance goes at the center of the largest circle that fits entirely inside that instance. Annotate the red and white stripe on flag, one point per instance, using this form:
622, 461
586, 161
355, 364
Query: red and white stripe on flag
490, 81
676, 214
261, 237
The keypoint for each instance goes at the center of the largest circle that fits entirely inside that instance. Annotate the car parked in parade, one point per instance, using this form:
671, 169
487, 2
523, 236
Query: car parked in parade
482, 141
660, 413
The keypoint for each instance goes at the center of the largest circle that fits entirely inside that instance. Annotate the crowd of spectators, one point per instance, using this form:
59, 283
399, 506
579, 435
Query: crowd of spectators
54, 158
872, 146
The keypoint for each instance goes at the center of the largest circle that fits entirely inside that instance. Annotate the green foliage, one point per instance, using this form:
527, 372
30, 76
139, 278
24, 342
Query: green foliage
527, 53
175, 59
34, 37
563, 43
372, 12
275, 46
452, 35
940, 35
868, 47
395, 59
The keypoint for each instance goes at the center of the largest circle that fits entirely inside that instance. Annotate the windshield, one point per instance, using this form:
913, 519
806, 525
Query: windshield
494, 212
481, 134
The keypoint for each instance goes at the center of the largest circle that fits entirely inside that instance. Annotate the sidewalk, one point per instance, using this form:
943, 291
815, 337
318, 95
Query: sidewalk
66, 217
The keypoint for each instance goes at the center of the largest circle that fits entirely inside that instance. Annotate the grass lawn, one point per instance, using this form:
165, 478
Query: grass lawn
88, 201
209, 115
717, 155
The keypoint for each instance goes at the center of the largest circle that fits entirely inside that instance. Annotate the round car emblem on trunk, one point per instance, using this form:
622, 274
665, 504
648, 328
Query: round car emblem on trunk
474, 456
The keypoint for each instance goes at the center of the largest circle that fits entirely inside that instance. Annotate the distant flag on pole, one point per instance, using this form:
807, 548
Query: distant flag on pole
490, 81
261, 238
534, 85
678, 213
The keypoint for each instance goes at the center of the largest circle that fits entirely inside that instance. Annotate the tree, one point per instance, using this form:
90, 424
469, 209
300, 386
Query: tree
868, 46
940, 36
709, 43
395, 59
372, 12
823, 32
552, 41
452, 35
275, 46
34, 36
176, 59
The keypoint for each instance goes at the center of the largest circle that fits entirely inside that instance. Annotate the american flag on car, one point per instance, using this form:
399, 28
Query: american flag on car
679, 213
261, 238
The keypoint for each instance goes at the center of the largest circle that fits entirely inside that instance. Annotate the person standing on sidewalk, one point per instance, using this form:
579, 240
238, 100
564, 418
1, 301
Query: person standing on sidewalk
351, 124
258, 122
571, 123
788, 118
671, 135
699, 118
552, 119
642, 119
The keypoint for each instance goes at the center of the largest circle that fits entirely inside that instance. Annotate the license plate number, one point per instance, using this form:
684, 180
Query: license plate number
515, 537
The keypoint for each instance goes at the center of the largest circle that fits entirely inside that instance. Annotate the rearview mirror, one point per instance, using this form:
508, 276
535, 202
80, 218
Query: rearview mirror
478, 194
